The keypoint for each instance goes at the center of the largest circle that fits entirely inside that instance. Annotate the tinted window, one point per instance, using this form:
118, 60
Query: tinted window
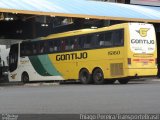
118, 37
13, 57
80, 42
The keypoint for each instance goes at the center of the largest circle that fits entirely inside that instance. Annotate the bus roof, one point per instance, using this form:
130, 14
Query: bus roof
82, 9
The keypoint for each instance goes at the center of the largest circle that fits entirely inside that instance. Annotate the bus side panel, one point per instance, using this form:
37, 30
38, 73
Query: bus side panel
70, 63
25, 65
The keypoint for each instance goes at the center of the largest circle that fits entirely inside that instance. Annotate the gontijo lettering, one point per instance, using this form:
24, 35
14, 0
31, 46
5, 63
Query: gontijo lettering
137, 41
71, 56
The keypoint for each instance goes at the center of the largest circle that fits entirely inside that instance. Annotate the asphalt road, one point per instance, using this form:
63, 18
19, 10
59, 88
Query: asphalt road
135, 97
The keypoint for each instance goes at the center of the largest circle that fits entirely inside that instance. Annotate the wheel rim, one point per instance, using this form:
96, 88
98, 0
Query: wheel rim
98, 76
85, 76
25, 78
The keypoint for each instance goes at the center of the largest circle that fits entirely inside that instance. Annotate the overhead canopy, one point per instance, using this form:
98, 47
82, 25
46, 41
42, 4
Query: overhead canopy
82, 9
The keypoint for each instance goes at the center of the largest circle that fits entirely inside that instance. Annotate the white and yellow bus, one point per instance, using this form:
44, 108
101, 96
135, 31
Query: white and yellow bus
119, 52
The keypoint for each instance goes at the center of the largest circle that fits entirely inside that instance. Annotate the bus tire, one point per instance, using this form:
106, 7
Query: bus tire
25, 77
98, 76
85, 77
123, 81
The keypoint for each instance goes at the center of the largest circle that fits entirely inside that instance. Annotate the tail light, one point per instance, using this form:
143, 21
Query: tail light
129, 61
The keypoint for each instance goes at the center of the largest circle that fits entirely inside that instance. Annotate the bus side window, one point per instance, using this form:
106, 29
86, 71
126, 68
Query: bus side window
118, 37
51, 46
101, 40
87, 42
68, 44
75, 44
38, 47
81, 42
94, 40
108, 41
121, 37
57, 45
63, 45
72, 44
55, 48
41, 47
28, 49
34, 48
46, 46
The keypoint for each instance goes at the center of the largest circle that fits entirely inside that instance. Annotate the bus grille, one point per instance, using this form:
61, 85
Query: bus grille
116, 69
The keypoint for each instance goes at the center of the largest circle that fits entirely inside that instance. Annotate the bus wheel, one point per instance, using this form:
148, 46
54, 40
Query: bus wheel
85, 77
98, 76
123, 81
25, 77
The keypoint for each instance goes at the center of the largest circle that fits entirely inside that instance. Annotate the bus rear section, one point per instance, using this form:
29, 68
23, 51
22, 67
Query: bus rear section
142, 52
